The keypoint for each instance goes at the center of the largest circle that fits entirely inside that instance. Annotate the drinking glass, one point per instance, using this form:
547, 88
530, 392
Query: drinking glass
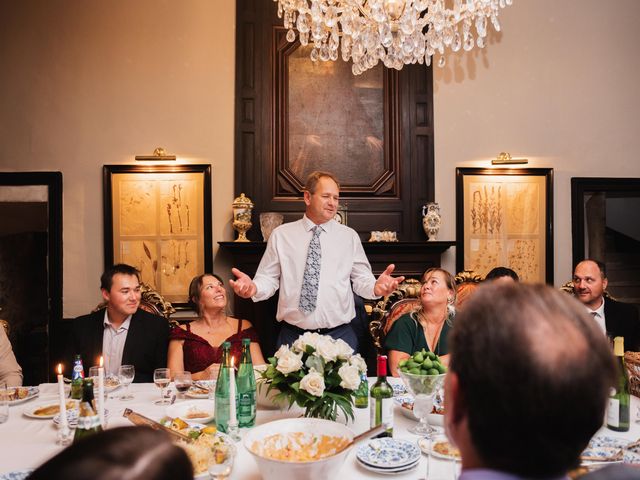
220, 471
162, 378
183, 382
126, 374
423, 388
5, 394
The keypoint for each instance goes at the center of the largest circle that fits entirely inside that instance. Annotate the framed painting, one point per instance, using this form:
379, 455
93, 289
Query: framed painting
504, 217
158, 219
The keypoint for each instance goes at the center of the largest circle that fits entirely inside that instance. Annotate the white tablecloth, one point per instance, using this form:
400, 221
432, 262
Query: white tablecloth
27, 442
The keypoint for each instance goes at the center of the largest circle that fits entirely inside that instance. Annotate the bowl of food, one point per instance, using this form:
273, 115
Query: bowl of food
196, 411
301, 448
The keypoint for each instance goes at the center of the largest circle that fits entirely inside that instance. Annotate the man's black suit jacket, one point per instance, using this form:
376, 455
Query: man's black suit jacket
622, 320
145, 347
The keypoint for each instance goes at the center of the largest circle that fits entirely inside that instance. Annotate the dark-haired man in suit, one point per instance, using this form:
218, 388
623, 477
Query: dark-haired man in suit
616, 319
121, 332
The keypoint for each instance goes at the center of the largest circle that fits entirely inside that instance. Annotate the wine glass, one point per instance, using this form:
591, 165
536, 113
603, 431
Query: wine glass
423, 388
222, 470
126, 373
183, 382
162, 378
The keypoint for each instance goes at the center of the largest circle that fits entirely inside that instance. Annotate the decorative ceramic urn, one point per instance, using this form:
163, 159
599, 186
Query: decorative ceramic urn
242, 207
431, 220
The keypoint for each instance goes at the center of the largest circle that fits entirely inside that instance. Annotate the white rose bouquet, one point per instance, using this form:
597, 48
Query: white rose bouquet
318, 373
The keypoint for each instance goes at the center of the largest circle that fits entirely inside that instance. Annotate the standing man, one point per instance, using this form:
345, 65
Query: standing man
616, 319
528, 383
314, 262
121, 332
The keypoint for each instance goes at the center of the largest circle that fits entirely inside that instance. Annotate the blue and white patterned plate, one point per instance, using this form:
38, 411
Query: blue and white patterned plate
388, 453
390, 471
601, 454
16, 475
608, 441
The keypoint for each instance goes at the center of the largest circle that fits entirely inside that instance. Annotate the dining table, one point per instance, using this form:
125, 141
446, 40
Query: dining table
27, 442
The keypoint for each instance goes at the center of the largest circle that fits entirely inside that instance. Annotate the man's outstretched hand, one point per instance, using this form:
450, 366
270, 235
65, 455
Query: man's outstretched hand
243, 286
386, 283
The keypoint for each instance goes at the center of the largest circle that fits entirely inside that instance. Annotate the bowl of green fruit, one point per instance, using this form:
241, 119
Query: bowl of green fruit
423, 374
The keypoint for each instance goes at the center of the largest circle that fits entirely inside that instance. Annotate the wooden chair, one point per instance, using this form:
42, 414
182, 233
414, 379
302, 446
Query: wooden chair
152, 302
466, 282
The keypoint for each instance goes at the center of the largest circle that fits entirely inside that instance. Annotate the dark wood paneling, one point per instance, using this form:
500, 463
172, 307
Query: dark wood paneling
392, 201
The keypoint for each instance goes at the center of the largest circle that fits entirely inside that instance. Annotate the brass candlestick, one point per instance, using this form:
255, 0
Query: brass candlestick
242, 207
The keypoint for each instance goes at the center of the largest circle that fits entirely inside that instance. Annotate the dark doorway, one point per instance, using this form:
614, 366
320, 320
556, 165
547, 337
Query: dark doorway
606, 227
31, 266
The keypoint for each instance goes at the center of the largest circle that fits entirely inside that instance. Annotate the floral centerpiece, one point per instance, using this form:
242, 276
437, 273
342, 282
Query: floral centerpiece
318, 373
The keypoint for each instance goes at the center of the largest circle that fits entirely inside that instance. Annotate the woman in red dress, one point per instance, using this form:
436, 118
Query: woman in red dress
197, 346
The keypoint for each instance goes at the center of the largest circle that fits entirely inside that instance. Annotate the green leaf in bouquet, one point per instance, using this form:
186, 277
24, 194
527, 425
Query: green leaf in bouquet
315, 362
295, 386
309, 350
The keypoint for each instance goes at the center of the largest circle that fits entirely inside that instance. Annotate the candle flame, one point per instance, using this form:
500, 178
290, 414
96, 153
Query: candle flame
59, 369
232, 359
101, 361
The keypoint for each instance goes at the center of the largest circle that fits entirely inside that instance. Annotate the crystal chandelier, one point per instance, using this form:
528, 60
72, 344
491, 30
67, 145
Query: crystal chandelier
396, 32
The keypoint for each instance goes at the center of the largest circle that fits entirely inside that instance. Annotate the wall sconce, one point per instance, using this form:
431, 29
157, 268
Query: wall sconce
505, 159
158, 154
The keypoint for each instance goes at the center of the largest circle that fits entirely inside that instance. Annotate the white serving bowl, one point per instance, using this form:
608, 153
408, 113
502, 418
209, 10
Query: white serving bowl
325, 468
182, 409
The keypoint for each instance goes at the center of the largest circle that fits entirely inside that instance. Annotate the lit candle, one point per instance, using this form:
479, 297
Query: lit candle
101, 392
63, 400
233, 419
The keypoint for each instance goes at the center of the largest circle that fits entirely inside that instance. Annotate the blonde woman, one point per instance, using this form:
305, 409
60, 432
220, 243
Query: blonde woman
428, 326
197, 347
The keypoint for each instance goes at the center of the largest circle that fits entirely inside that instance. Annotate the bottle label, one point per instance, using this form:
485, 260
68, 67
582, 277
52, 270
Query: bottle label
613, 413
385, 406
78, 371
88, 423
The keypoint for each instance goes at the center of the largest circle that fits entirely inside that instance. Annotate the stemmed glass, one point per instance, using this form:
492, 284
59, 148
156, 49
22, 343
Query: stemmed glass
126, 373
423, 388
183, 382
162, 378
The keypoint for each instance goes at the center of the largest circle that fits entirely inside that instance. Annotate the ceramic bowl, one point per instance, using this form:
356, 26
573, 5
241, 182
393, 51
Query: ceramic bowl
313, 470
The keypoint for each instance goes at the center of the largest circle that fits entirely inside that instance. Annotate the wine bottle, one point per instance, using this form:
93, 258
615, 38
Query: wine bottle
381, 408
223, 393
362, 392
76, 378
619, 400
246, 388
88, 419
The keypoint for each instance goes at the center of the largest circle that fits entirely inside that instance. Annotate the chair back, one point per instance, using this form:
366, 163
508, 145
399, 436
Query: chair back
466, 283
387, 310
151, 301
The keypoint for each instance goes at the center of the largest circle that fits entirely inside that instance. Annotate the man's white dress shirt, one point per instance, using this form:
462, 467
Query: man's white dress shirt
598, 316
343, 263
113, 344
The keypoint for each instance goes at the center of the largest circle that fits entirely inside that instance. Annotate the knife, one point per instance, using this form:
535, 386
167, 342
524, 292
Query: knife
138, 419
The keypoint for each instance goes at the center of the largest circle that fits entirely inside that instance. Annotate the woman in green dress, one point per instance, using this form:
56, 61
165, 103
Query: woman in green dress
428, 326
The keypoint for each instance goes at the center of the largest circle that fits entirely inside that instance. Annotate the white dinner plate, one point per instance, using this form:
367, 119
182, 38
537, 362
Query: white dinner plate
388, 453
30, 393
30, 412
423, 443
183, 410
195, 392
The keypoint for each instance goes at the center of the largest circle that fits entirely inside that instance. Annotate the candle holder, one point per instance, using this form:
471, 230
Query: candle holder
64, 435
232, 430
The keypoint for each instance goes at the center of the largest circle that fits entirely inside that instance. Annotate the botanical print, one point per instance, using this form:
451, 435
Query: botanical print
137, 208
178, 207
144, 256
523, 200
178, 265
523, 257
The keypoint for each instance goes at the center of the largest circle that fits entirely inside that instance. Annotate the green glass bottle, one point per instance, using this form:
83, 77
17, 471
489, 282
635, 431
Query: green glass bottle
77, 376
88, 419
381, 408
246, 388
619, 401
362, 392
223, 394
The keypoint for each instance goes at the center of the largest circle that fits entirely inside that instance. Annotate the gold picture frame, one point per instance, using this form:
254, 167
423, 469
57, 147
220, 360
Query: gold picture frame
505, 218
158, 219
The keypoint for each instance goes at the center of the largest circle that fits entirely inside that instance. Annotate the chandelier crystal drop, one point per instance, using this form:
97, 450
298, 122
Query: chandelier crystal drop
395, 32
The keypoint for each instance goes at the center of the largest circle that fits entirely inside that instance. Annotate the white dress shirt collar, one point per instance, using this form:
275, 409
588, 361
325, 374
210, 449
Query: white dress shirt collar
308, 224
598, 316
